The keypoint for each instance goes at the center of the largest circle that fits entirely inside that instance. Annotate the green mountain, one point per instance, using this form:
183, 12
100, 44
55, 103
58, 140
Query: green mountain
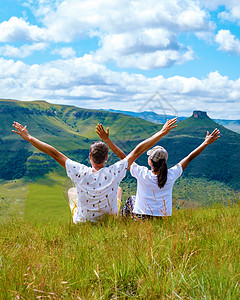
71, 130
220, 161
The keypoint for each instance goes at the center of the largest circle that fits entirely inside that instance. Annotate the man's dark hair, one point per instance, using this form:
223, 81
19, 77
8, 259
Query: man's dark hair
99, 152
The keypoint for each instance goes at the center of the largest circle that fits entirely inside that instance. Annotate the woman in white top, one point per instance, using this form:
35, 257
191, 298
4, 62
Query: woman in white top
154, 186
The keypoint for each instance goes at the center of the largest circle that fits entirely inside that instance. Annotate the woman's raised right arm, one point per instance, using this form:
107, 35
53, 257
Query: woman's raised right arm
209, 139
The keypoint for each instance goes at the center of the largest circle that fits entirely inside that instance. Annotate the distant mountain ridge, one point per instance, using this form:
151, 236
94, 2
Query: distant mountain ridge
151, 116
71, 130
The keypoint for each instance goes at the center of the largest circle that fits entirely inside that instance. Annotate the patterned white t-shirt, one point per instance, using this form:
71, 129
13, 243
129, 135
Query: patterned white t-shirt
150, 199
96, 191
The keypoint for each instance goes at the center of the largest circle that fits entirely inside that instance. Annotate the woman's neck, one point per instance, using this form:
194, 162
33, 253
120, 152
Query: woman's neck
155, 173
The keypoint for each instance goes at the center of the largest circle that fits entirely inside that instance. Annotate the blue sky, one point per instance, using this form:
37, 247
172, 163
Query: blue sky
119, 54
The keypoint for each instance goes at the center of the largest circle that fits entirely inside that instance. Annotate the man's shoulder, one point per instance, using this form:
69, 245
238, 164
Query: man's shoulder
74, 164
120, 163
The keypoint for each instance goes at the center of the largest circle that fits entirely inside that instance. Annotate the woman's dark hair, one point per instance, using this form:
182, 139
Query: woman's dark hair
160, 168
99, 152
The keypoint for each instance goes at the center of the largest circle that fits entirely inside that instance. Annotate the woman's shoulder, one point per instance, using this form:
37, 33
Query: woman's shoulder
175, 171
137, 170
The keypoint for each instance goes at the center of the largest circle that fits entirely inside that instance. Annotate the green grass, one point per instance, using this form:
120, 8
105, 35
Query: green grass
13, 195
195, 192
46, 199
193, 255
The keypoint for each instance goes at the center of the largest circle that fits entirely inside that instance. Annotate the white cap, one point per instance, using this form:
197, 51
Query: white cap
157, 153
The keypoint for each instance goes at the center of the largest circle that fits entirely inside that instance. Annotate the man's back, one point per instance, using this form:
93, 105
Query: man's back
96, 191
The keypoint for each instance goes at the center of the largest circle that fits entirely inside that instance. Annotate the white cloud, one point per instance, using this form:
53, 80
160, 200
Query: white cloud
23, 51
19, 30
132, 34
229, 9
83, 82
228, 42
140, 34
147, 49
232, 13
65, 52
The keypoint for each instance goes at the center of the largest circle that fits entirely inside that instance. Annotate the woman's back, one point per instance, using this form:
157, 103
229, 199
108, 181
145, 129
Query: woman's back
150, 199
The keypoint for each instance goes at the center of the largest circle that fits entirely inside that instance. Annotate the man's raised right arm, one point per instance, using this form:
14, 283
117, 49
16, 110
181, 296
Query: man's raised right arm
104, 135
48, 149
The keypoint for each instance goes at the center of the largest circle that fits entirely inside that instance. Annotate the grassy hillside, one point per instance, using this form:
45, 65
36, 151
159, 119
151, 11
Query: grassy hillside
193, 255
71, 130
219, 161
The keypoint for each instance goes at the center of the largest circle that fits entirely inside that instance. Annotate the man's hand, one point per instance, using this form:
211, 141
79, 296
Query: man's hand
48, 149
104, 135
169, 125
211, 138
22, 131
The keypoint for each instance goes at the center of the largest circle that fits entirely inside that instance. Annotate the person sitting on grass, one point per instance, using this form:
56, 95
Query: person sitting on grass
97, 188
154, 187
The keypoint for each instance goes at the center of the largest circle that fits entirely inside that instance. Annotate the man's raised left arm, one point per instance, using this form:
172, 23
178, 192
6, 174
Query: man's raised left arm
48, 149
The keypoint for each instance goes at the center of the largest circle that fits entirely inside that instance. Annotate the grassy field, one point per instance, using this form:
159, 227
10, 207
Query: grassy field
47, 199
193, 255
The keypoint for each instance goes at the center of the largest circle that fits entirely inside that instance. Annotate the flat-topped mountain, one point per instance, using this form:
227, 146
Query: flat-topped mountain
200, 114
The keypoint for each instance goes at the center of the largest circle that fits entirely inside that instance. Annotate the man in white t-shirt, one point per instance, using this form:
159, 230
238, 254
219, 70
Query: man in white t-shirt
96, 187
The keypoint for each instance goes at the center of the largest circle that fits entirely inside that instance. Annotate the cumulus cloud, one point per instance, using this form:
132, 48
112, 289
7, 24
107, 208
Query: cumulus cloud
73, 17
83, 82
132, 34
65, 52
23, 51
233, 12
147, 49
228, 42
16, 29
135, 34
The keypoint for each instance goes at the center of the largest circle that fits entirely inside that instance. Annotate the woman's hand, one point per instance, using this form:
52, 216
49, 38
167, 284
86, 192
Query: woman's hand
22, 131
211, 138
169, 125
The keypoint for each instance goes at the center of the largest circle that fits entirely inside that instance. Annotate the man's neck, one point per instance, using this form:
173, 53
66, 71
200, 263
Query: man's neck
97, 167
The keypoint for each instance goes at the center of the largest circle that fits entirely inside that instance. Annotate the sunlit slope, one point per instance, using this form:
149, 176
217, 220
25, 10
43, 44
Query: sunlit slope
49, 121
70, 129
